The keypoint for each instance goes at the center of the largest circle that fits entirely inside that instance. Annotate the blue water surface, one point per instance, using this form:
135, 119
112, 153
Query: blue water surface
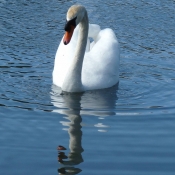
128, 129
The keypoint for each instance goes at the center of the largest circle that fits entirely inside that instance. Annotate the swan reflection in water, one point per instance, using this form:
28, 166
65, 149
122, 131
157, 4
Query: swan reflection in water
99, 103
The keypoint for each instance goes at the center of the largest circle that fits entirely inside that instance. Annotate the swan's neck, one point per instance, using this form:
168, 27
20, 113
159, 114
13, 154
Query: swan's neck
72, 81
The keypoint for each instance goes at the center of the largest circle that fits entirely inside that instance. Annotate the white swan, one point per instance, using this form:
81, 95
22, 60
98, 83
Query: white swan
81, 65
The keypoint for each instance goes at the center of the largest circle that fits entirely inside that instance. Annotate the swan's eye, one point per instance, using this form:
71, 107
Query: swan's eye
69, 23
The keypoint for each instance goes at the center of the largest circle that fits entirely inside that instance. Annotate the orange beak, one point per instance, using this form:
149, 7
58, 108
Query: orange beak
68, 35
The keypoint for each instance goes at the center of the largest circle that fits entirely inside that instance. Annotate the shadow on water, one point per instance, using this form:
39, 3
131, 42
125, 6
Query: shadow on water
73, 105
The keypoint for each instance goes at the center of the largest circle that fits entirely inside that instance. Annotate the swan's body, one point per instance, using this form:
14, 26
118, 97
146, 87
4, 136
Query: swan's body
81, 66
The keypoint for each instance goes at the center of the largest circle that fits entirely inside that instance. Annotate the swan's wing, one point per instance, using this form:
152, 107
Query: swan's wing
94, 30
101, 64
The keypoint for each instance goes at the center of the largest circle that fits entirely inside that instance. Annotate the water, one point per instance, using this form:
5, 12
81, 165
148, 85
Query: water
128, 129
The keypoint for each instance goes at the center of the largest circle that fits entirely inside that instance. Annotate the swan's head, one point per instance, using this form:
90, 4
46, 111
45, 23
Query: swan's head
74, 16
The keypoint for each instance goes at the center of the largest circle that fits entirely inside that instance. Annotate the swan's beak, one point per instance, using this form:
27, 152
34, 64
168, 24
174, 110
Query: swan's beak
68, 35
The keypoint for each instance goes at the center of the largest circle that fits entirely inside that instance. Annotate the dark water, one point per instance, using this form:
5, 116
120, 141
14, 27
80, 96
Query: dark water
127, 130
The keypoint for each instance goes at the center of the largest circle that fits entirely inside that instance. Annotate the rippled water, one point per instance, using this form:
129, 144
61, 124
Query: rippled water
126, 129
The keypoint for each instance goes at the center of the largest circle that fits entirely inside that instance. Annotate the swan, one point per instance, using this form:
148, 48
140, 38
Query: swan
82, 64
